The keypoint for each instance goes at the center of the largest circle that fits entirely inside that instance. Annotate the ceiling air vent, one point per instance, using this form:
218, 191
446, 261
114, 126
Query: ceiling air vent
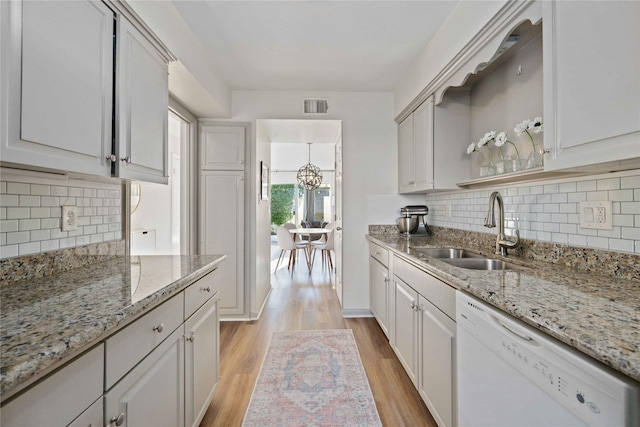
316, 106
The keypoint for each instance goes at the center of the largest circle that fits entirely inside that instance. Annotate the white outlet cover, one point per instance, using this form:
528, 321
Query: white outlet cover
69, 218
591, 217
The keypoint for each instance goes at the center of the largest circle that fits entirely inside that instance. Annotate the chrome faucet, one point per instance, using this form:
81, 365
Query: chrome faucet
502, 243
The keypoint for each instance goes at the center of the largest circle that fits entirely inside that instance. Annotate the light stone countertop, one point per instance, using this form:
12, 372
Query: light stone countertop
47, 321
596, 314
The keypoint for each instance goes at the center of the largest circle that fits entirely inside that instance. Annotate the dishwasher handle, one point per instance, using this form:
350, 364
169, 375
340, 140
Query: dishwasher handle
522, 336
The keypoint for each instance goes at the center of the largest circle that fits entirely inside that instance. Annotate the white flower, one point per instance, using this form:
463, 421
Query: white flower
501, 139
521, 127
471, 148
483, 141
536, 125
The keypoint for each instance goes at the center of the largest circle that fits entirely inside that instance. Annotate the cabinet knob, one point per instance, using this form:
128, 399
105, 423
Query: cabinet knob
413, 306
207, 289
192, 338
117, 420
112, 158
386, 280
546, 151
158, 328
127, 159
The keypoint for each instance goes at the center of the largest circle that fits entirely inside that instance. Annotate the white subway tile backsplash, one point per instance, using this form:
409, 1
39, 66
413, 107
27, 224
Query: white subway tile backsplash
30, 214
549, 211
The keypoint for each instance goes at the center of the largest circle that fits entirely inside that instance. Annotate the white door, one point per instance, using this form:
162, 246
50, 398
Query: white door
222, 147
222, 232
337, 240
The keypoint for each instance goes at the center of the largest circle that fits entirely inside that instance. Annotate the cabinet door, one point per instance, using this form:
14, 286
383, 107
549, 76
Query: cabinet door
152, 393
405, 156
406, 328
423, 143
437, 363
142, 108
201, 361
57, 79
222, 147
592, 82
222, 232
379, 279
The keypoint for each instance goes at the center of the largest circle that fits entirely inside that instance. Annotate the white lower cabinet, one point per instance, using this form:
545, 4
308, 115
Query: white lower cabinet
438, 352
202, 341
62, 398
406, 345
92, 417
379, 281
152, 393
425, 337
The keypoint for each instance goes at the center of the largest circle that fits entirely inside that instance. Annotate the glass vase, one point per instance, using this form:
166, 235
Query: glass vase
501, 166
535, 159
487, 169
514, 164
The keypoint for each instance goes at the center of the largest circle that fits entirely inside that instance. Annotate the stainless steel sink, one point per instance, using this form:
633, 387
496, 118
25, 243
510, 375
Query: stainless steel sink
482, 264
445, 253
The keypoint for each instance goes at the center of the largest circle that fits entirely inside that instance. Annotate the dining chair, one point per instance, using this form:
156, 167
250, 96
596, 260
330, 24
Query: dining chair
290, 226
286, 243
326, 248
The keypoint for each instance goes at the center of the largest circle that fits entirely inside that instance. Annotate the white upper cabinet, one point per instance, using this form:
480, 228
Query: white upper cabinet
143, 107
592, 83
221, 147
57, 80
415, 150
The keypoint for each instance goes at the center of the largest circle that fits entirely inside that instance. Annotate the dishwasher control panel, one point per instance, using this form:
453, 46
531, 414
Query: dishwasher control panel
583, 385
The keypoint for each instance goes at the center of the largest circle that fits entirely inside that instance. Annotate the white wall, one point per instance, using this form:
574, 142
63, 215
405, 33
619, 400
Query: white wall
369, 171
464, 22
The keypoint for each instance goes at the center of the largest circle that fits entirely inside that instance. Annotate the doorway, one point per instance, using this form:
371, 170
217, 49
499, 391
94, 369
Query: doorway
289, 150
161, 221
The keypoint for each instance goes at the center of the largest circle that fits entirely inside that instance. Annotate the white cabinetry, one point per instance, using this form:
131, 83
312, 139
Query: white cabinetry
425, 337
415, 150
57, 79
437, 380
406, 345
592, 82
201, 361
379, 285
142, 83
70, 394
222, 209
222, 147
152, 393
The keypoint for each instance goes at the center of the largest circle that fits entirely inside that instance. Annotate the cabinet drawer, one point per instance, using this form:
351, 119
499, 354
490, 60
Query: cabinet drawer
126, 348
379, 253
437, 292
61, 397
200, 292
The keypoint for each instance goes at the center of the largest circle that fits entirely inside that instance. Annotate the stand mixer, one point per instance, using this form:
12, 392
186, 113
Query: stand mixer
410, 217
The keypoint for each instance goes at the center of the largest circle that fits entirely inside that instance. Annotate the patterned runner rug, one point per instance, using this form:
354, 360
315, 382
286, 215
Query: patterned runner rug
312, 378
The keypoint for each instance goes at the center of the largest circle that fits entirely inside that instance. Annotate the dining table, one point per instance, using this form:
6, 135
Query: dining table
308, 232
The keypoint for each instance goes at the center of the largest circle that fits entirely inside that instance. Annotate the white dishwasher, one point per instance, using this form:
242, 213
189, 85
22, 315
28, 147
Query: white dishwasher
510, 374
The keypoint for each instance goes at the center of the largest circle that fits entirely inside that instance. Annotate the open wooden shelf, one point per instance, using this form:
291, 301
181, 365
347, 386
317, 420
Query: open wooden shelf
536, 174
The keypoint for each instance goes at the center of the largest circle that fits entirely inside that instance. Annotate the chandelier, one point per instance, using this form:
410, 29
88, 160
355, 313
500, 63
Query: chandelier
309, 176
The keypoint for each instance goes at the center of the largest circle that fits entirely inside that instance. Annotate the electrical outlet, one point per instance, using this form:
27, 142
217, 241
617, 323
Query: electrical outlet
596, 215
69, 218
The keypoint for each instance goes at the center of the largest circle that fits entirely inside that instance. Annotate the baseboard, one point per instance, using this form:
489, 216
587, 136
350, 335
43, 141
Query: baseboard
255, 316
357, 313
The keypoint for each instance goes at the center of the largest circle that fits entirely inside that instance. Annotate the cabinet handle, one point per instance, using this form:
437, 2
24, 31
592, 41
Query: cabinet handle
413, 306
112, 158
158, 328
207, 289
192, 338
546, 151
127, 159
386, 280
117, 420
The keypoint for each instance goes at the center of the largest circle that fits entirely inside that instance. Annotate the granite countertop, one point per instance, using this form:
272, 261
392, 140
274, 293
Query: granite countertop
596, 314
47, 321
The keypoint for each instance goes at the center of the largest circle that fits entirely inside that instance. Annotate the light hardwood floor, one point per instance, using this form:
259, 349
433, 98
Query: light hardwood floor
301, 301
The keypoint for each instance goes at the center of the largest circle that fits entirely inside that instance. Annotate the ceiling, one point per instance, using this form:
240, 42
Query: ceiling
313, 45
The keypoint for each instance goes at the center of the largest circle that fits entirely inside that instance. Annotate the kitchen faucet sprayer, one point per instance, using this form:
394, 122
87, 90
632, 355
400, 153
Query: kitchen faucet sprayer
502, 243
